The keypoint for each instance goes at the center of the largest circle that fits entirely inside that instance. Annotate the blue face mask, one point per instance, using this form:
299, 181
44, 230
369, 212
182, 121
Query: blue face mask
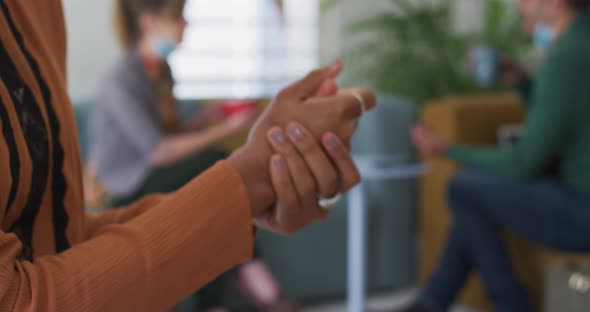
164, 47
543, 37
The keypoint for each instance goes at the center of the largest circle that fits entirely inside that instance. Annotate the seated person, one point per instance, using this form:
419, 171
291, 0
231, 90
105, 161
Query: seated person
139, 145
517, 187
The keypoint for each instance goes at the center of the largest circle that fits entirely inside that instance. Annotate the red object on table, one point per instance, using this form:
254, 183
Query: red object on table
235, 107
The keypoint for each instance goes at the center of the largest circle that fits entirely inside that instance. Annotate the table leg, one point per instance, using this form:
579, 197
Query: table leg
357, 223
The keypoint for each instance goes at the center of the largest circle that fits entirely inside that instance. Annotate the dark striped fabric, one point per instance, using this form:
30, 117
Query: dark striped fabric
60, 217
143, 258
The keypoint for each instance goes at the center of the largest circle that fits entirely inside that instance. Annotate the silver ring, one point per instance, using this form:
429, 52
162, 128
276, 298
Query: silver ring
362, 102
328, 203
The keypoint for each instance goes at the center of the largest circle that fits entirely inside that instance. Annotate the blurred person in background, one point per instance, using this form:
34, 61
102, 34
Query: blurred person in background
139, 145
539, 187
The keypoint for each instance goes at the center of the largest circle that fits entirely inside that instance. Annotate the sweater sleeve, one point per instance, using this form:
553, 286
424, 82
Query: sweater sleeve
174, 245
95, 222
558, 91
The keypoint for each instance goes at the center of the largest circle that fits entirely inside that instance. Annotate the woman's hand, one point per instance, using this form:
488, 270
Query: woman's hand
429, 142
300, 102
319, 115
301, 170
298, 180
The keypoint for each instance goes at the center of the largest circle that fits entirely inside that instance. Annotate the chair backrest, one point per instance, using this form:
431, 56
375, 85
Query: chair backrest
83, 111
385, 130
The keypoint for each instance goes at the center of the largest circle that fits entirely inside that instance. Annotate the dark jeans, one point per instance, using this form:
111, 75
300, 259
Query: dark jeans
546, 212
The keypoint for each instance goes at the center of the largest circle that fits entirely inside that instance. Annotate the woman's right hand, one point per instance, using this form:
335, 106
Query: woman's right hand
320, 114
297, 103
302, 170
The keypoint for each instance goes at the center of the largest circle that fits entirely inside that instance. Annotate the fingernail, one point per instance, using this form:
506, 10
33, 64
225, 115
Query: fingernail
296, 132
278, 162
332, 141
336, 64
278, 137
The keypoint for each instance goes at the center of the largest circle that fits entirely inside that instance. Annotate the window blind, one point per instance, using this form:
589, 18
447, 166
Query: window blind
245, 48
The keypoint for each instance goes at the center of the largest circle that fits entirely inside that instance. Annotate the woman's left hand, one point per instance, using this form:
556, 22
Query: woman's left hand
298, 180
429, 142
302, 170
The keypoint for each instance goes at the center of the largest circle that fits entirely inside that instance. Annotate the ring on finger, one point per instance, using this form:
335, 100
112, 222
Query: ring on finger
362, 102
328, 203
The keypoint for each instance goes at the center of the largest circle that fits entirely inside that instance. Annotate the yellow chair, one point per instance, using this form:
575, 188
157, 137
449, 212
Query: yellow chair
473, 120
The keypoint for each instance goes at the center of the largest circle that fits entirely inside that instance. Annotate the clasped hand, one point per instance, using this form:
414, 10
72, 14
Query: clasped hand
299, 149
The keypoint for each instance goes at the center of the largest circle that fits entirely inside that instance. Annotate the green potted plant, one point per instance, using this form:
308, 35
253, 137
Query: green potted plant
410, 51
413, 49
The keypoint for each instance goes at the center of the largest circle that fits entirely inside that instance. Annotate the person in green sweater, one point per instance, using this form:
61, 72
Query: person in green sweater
539, 187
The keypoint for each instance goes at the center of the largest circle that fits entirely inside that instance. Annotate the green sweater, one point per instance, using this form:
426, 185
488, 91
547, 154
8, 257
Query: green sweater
558, 122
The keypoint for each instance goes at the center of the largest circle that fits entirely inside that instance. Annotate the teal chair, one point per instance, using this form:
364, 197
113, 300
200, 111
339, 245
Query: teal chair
83, 120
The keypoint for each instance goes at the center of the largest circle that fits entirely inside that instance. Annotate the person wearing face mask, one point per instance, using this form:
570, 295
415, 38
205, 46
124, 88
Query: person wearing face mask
521, 187
137, 115
140, 147
513, 75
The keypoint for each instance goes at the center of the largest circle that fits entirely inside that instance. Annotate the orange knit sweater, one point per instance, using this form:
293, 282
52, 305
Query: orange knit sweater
54, 257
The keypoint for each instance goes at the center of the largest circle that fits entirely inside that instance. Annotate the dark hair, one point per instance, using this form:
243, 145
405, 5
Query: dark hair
127, 13
579, 5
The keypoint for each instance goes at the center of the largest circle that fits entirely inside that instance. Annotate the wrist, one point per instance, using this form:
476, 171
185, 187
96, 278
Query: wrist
222, 130
230, 129
252, 163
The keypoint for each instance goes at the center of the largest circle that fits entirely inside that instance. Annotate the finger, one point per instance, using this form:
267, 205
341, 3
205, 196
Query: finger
287, 199
421, 130
324, 214
347, 104
302, 178
323, 171
418, 130
328, 88
417, 135
369, 100
422, 136
412, 131
341, 157
312, 82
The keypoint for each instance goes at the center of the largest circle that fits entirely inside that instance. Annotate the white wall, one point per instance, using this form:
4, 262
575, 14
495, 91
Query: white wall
92, 48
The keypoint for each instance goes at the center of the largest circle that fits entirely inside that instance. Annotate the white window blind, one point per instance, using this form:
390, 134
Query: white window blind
245, 48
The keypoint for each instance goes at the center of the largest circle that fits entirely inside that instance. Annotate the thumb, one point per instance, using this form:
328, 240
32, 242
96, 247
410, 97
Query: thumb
314, 80
328, 88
